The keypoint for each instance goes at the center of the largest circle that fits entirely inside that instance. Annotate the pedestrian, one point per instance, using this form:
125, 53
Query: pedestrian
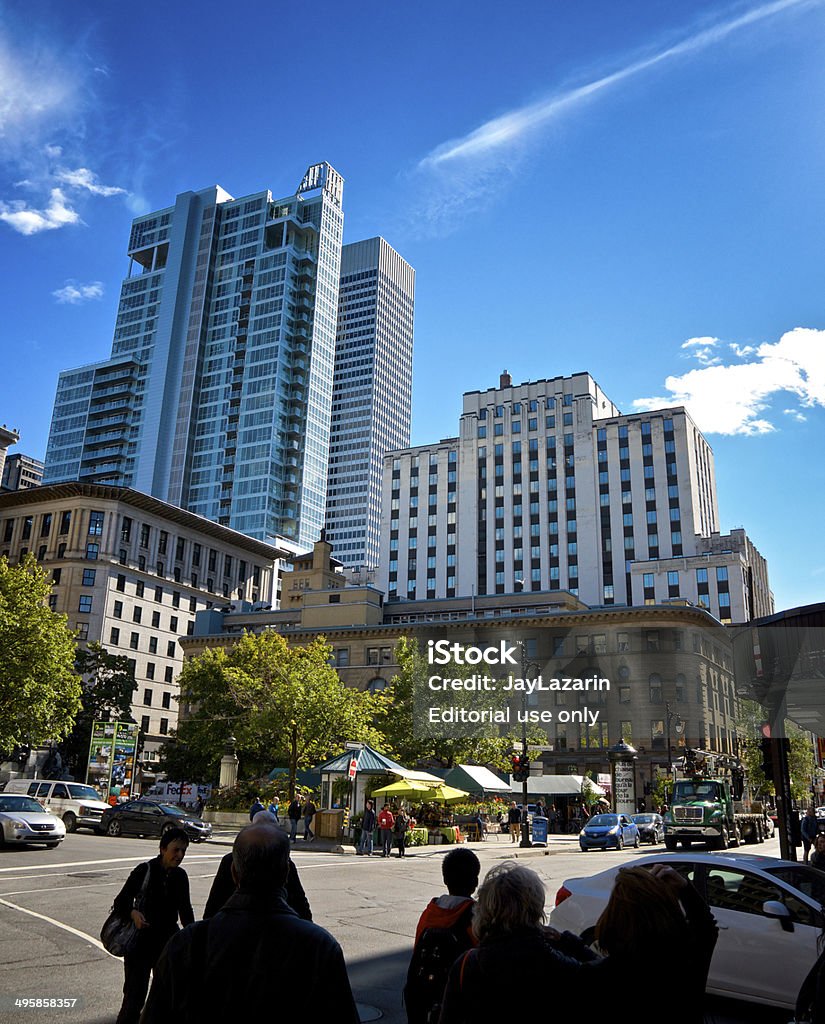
507, 925
293, 812
444, 932
553, 819
237, 951
367, 829
514, 821
256, 806
274, 807
810, 830
200, 803
817, 859
308, 811
223, 885
400, 827
155, 914
541, 809
386, 820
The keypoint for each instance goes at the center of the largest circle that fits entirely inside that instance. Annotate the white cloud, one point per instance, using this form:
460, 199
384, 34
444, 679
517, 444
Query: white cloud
465, 171
83, 178
702, 350
733, 398
29, 221
74, 294
35, 87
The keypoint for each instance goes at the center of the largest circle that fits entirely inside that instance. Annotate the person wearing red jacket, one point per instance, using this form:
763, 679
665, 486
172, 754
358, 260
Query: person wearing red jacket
386, 821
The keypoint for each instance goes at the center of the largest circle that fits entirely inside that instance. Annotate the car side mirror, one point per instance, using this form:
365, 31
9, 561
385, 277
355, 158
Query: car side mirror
778, 911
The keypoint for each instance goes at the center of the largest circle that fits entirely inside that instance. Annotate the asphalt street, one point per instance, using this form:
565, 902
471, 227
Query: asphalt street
53, 903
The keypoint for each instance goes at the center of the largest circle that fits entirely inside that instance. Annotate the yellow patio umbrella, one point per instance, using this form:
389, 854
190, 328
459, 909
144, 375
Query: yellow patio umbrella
406, 788
444, 794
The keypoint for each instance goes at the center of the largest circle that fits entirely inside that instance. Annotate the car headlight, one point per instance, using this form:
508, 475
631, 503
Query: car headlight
18, 825
613, 830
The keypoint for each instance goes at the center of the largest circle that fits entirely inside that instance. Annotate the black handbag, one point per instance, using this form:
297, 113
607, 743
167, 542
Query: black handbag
118, 935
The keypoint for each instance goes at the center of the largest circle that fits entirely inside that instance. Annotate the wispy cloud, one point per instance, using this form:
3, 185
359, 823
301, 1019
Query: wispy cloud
703, 350
74, 294
734, 398
83, 178
466, 169
46, 102
28, 220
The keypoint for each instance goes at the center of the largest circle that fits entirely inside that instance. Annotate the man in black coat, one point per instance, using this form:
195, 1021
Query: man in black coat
254, 934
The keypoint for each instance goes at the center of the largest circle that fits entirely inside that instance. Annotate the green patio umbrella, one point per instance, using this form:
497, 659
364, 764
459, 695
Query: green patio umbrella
444, 794
406, 788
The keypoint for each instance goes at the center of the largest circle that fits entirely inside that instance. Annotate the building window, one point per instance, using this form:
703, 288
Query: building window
126, 529
176, 599
114, 636
89, 577
144, 723
82, 630
168, 673
657, 734
153, 645
166, 699
158, 593
150, 670
92, 551
137, 613
134, 640
147, 697
85, 604
155, 620
170, 648
53, 602
164, 726
145, 533
95, 524
655, 683
65, 522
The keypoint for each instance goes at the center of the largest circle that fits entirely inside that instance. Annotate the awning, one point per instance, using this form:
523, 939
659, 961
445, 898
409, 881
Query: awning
555, 785
475, 779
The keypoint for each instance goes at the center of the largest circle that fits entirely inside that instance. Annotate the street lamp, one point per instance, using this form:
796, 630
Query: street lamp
680, 728
526, 665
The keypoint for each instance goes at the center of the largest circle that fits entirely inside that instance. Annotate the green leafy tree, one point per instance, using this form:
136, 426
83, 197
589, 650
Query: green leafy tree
108, 685
801, 760
39, 687
411, 738
284, 705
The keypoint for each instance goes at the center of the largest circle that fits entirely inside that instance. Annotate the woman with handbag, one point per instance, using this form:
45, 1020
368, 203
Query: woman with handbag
154, 897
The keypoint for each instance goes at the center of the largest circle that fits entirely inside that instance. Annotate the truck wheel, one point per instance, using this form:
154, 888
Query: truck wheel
70, 821
723, 842
670, 844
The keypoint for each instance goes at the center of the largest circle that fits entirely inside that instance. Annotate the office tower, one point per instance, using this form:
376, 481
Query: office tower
217, 394
371, 393
549, 487
7, 439
21, 472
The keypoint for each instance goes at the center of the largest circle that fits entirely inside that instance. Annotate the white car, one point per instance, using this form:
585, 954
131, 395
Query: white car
23, 821
769, 914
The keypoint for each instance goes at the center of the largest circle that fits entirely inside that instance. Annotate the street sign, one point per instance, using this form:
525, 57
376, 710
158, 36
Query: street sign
353, 768
353, 746
542, 749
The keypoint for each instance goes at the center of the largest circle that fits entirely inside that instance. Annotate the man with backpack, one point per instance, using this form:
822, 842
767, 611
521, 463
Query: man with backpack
444, 932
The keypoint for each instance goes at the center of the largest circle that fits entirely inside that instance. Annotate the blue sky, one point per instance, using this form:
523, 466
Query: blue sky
629, 189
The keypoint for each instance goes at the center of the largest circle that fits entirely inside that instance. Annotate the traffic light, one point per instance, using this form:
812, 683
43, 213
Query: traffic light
521, 767
767, 758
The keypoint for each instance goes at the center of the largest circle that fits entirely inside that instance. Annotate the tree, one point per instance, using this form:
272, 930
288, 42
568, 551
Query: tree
409, 734
39, 688
107, 688
801, 760
283, 705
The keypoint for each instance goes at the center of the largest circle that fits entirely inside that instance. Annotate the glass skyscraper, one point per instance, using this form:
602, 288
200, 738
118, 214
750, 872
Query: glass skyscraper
218, 393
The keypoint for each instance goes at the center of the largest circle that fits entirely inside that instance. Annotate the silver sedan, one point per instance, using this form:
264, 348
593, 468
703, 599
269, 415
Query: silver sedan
23, 821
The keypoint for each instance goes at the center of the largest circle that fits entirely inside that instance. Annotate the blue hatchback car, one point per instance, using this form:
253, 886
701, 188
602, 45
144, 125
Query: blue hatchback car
603, 831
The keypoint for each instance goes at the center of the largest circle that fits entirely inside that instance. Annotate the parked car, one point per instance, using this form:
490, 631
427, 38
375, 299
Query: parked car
149, 818
23, 821
605, 830
79, 806
651, 827
769, 913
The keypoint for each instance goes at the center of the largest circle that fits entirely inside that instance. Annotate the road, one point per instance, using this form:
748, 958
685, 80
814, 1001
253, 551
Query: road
53, 903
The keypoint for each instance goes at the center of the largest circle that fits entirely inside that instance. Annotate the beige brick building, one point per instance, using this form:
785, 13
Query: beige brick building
131, 572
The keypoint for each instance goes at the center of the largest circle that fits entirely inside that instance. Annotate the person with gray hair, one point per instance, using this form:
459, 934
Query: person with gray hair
512, 942
254, 934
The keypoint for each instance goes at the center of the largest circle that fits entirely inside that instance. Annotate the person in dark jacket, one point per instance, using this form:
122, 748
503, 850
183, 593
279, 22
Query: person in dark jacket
256, 806
254, 935
514, 821
164, 901
223, 885
810, 830
293, 812
367, 830
817, 858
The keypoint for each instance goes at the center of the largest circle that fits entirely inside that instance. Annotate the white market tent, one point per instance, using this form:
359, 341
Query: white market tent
475, 779
554, 785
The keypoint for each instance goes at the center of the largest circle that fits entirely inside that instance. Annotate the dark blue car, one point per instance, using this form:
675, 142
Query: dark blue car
604, 831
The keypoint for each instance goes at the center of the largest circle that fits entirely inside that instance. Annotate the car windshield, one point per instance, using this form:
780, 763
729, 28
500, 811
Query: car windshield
806, 879
604, 819
169, 809
644, 819
19, 803
83, 793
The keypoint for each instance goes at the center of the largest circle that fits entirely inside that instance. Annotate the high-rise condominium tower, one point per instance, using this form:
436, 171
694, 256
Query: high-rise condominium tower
371, 393
217, 395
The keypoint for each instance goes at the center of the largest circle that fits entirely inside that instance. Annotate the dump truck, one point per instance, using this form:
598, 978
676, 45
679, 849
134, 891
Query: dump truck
704, 805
